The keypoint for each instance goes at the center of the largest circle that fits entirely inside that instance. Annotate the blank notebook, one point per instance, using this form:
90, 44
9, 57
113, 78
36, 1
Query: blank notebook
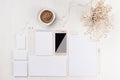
47, 65
43, 42
82, 57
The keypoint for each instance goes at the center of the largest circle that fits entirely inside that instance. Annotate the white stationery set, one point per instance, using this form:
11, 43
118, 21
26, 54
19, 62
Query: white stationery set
80, 59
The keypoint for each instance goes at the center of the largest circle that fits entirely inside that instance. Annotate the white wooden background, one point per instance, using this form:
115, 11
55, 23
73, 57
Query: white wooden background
18, 14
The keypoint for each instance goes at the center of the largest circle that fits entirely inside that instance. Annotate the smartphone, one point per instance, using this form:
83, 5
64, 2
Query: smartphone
60, 42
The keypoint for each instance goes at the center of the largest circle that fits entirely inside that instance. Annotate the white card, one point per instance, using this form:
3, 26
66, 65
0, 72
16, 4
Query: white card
20, 40
43, 42
20, 68
82, 57
20, 55
47, 66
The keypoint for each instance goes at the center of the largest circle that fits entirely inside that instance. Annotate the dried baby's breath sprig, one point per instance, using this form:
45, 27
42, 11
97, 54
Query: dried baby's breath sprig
98, 20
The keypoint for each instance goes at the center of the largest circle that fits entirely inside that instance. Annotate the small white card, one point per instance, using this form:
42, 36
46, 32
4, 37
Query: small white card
20, 55
20, 40
82, 56
47, 66
43, 42
20, 68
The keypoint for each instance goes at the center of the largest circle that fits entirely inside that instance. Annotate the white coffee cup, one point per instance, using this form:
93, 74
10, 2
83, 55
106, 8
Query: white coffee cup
52, 18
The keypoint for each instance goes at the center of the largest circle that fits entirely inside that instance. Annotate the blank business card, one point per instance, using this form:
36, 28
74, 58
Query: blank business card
20, 55
43, 42
82, 56
20, 68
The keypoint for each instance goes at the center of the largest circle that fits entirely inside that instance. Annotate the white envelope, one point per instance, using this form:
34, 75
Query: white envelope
47, 66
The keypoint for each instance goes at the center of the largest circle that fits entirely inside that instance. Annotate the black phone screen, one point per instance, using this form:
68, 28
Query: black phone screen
60, 42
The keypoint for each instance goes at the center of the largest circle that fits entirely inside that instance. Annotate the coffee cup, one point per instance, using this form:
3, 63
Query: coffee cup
46, 16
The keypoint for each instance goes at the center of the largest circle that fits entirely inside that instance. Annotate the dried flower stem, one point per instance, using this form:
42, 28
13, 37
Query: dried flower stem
98, 21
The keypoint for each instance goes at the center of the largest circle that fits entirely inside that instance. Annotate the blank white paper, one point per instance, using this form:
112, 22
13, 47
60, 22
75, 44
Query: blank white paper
20, 68
82, 57
20, 40
43, 42
20, 55
47, 66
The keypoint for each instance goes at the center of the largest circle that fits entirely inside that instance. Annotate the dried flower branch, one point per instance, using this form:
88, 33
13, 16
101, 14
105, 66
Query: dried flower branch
98, 21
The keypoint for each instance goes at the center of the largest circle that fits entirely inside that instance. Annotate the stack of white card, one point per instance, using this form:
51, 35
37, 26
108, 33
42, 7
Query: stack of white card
20, 56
